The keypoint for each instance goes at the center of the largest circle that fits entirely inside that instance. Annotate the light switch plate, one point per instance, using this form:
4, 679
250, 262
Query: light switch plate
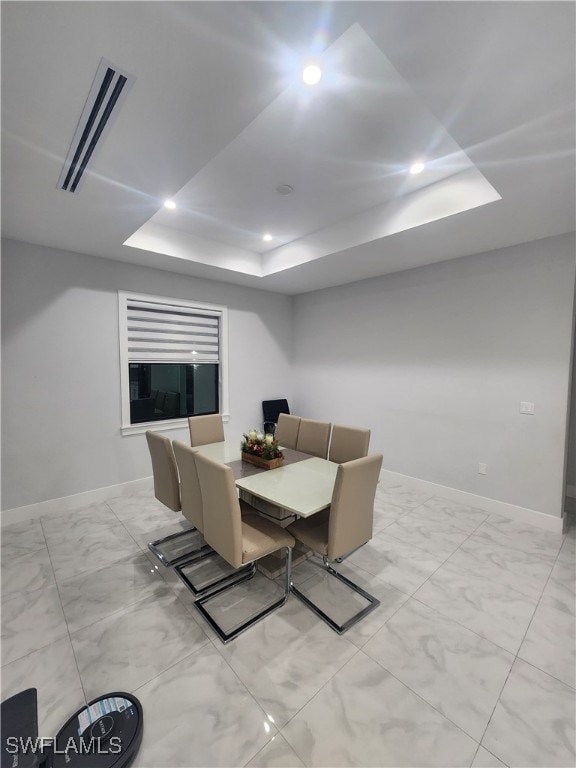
527, 408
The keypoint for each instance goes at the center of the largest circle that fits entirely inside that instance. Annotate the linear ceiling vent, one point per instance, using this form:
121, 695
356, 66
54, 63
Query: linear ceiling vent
108, 91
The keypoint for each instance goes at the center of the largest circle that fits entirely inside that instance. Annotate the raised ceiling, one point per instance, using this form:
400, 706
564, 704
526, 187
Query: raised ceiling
217, 118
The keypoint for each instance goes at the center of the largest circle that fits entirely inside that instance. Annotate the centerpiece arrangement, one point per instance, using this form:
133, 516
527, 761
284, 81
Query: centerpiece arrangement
261, 450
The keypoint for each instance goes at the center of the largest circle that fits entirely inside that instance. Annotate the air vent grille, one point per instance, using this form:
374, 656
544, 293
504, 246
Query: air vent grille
108, 91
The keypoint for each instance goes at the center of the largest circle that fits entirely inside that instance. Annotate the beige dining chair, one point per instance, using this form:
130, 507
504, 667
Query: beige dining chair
348, 443
241, 539
193, 510
287, 430
206, 429
347, 526
313, 437
178, 546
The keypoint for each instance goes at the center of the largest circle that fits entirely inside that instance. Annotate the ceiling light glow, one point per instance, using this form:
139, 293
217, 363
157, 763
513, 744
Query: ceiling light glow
169, 204
267, 237
417, 168
312, 74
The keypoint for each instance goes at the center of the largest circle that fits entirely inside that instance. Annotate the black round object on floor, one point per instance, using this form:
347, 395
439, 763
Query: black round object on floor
104, 734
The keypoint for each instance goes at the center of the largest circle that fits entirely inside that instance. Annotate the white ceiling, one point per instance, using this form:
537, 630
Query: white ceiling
217, 118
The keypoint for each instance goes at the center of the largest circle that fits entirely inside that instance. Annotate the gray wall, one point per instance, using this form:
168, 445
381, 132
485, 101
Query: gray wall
571, 465
436, 360
61, 371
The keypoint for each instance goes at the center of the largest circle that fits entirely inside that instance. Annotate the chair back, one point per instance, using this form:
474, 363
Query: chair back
313, 437
287, 430
348, 443
166, 486
206, 429
190, 496
352, 509
221, 509
271, 409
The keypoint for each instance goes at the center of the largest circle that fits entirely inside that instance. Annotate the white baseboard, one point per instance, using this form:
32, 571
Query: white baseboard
493, 506
77, 501
571, 491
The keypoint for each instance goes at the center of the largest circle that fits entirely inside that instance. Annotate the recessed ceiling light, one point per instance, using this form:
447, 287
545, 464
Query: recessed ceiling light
416, 168
267, 237
169, 204
311, 74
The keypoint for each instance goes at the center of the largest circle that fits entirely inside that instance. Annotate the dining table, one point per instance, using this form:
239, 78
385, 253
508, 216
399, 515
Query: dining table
301, 487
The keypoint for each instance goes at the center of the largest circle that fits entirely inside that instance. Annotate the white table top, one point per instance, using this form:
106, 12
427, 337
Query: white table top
224, 452
303, 488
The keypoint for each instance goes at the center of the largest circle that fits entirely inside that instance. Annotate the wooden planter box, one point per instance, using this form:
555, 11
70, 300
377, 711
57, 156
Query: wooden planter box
260, 462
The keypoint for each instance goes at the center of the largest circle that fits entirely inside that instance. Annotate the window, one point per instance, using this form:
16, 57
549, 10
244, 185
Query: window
173, 357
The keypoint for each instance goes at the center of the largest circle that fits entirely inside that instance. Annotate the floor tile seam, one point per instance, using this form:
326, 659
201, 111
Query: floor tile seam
511, 543
450, 618
126, 529
34, 589
22, 592
474, 758
463, 626
123, 559
39, 648
381, 664
110, 615
494, 710
450, 519
382, 581
219, 647
213, 641
537, 605
311, 699
425, 551
171, 666
492, 580
438, 534
547, 603
403, 510
266, 746
443, 563
68, 629
402, 604
517, 657
4, 556
389, 583
545, 672
528, 629
112, 510
46, 586
92, 521
425, 701
505, 546
386, 581
490, 753
82, 574
78, 538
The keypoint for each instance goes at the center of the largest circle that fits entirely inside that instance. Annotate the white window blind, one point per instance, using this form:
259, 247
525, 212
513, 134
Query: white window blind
171, 332
156, 329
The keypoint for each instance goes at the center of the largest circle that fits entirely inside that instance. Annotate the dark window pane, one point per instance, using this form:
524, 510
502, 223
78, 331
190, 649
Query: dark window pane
172, 390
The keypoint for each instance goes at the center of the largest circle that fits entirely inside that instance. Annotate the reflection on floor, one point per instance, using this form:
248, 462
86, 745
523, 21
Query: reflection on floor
469, 659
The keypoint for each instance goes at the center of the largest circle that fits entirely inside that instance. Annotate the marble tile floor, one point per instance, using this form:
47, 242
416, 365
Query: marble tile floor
468, 661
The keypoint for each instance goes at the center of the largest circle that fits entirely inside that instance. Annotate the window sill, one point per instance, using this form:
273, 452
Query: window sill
160, 426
